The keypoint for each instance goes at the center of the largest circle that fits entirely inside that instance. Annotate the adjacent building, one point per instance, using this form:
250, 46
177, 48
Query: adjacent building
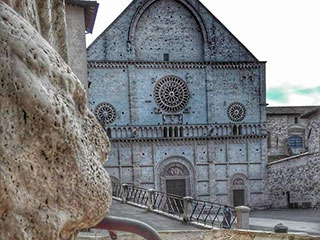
294, 157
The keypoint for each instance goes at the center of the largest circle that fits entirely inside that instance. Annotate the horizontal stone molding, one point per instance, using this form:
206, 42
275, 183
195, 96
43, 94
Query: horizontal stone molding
175, 65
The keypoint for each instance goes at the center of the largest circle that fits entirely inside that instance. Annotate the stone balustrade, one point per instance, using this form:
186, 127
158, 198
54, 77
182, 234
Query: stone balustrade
185, 131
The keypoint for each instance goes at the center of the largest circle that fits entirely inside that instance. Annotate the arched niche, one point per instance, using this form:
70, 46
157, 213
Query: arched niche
173, 172
238, 190
168, 30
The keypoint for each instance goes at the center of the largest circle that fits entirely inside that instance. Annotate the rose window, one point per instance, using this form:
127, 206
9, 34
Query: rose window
171, 94
236, 112
105, 113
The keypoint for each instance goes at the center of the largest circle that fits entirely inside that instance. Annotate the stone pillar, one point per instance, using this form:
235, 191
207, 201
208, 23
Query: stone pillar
242, 217
125, 193
187, 208
136, 163
150, 199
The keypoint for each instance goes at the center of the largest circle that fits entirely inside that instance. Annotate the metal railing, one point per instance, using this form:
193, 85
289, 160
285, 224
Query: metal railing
167, 203
113, 224
187, 209
208, 213
137, 195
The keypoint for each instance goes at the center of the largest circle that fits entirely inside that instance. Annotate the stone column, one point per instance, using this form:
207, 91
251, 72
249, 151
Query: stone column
242, 217
187, 208
150, 199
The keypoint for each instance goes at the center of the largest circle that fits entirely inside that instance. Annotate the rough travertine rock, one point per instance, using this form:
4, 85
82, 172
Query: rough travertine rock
212, 235
47, 17
52, 182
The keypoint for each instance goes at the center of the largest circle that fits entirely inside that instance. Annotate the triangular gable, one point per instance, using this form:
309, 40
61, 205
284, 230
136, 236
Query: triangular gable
114, 44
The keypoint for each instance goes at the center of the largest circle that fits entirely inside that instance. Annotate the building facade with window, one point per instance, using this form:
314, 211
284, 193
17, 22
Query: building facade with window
294, 174
183, 102
287, 131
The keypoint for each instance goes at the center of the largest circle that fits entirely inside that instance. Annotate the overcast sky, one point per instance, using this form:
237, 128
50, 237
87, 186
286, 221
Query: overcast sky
285, 33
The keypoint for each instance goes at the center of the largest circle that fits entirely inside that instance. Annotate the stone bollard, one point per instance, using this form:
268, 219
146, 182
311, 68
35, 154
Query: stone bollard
242, 217
187, 208
150, 201
125, 193
280, 228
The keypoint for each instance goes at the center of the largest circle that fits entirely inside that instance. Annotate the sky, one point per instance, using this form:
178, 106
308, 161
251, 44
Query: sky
285, 33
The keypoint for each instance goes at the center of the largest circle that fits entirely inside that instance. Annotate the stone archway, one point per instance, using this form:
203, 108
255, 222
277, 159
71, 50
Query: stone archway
238, 190
176, 175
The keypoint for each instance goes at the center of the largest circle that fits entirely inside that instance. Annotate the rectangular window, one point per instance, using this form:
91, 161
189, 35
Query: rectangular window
296, 120
295, 141
166, 57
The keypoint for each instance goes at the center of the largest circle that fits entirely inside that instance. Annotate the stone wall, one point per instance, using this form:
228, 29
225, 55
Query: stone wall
313, 132
117, 43
296, 178
280, 127
212, 165
295, 181
131, 92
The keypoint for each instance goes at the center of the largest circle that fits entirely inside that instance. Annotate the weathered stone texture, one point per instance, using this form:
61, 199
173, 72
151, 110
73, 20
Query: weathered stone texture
280, 127
215, 234
52, 182
47, 17
313, 133
298, 177
219, 43
295, 180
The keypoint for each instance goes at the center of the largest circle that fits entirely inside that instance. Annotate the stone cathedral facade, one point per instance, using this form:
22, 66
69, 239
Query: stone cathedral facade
183, 102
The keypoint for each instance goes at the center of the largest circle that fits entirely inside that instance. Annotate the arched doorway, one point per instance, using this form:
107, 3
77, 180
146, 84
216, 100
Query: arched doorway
176, 178
175, 175
238, 190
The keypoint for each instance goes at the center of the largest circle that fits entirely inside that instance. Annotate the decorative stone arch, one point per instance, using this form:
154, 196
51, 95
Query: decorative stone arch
176, 168
144, 7
238, 183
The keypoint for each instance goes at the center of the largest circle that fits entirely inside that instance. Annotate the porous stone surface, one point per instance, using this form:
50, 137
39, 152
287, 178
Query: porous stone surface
215, 234
52, 182
47, 17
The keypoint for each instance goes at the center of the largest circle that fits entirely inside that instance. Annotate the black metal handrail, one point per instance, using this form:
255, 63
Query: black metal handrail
137, 195
199, 212
208, 213
127, 225
168, 203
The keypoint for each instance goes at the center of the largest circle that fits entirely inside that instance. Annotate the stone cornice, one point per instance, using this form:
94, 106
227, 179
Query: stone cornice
175, 65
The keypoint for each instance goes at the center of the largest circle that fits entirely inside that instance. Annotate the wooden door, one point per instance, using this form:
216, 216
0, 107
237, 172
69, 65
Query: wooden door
176, 187
238, 197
